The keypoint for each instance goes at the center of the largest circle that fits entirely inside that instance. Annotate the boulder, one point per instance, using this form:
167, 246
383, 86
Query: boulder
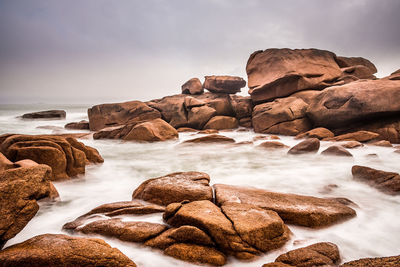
108, 115
359, 101
212, 138
383, 143
208, 131
387, 182
175, 187
274, 73
218, 101
224, 84
154, 130
199, 116
221, 123
345, 62
172, 109
319, 133
272, 145
81, 125
192, 87
393, 261
63, 250
282, 116
359, 136
358, 71
319, 254
293, 209
192, 235
196, 254
19, 190
310, 145
336, 151
352, 144
48, 114
242, 106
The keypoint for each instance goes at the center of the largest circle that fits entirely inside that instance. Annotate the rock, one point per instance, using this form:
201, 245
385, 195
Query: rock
62, 250
175, 187
48, 114
336, 151
208, 131
310, 145
196, 254
172, 109
293, 209
282, 116
242, 106
209, 218
345, 62
162, 241
191, 234
186, 130
154, 130
319, 133
82, 125
5, 163
359, 136
191, 102
383, 143
276, 264
108, 115
131, 231
220, 102
19, 190
397, 151
387, 182
192, 87
199, 116
221, 123
224, 84
213, 138
66, 156
274, 73
352, 144
358, 101
358, 71
246, 122
272, 145
393, 261
319, 254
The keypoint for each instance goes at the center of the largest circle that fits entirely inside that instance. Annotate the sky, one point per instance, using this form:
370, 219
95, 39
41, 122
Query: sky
98, 51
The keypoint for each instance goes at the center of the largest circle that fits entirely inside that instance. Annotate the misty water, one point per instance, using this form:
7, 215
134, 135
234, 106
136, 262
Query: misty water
374, 232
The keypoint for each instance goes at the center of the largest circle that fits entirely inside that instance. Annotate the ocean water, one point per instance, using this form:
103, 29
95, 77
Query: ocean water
374, 232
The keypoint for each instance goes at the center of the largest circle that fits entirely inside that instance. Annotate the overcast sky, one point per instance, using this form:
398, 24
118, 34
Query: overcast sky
96, 51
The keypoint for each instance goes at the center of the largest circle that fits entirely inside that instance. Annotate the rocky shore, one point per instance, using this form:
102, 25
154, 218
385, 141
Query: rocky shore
310, 94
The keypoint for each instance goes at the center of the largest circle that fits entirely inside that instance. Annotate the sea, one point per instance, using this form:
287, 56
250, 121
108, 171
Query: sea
374, 232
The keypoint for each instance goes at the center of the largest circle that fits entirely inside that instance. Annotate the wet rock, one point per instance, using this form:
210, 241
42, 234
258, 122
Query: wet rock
359, 136
186, 130
336, 151
272, 145
213, 138
175, 187
319, 254
293, 209
224, 84
383, 143
310, 145
208, 131
196, 254
48, 114
393, 261
319, 133
19, 190
274, 73
387, 182
154, 130
82, 125
192, 87
162, 241
352, 144
62, 250
282, 116
92, 154
221, 123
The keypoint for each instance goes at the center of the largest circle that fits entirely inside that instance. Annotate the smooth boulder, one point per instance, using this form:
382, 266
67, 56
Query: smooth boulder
212, 138
319, 133
222, 123
310, 145
192, 87
336, 151
388, 182
224, 84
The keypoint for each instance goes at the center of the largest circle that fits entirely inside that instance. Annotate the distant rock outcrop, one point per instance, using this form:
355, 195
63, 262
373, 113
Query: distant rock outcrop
48, 114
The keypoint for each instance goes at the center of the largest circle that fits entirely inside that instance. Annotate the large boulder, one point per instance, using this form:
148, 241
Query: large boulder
224, 84
192, 87
388, 182
199, 116
359, 101
172, 109
19, 190
393, 261
282, 116
293, 209
108, 115
336, 151
221, 123
274, 73
65, 155
48, 114
63, 250
242, 106
175, 187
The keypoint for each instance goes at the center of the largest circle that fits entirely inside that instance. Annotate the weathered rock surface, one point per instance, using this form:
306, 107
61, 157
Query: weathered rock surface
293, 209
345, 62
221, 123
5, 163
62, 250
336, 151
48, 114
196, 254
383, 143
81, 125
352, 144
388, 182
319, 133
213, 138
359, 136
192, 87
66, 156
224, 84
109, 115
242, 106
393, 261
272, 145
274, 73
199, 116
175, 187
310, 145
19, 190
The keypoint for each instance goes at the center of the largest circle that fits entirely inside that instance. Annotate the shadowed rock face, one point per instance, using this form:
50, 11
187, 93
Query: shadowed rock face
336, 151
221, 123
224, 84
81, 125
388, 182
293, 209
62, 250
192, 87
277, 73
372, 262
48, 114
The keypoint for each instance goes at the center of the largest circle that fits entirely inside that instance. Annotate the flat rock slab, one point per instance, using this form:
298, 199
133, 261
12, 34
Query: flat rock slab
293, 209
47, 114
387, 182
213, 138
